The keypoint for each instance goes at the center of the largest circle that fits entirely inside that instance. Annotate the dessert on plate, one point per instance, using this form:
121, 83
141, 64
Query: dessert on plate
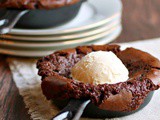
113, 79
34, 13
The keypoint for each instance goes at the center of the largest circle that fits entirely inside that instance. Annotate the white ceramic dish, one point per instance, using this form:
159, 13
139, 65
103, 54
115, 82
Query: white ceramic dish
99, 12
62, 37
39, 45
41, 53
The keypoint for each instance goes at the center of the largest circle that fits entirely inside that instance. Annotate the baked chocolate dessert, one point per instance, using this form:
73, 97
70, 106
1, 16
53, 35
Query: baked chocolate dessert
144, 77
36, 4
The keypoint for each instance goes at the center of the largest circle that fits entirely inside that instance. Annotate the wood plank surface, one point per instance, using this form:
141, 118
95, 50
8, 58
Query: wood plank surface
141, 20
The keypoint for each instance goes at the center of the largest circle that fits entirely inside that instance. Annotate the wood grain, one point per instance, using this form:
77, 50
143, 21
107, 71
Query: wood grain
11, 104
141, 20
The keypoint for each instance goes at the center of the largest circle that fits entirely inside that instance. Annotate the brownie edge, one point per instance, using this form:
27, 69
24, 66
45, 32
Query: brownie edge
36, 4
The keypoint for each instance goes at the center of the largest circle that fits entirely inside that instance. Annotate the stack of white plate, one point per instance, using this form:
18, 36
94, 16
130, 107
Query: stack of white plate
98, 22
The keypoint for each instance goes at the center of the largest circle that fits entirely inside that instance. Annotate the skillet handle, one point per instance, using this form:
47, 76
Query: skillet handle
73, 110
8, 21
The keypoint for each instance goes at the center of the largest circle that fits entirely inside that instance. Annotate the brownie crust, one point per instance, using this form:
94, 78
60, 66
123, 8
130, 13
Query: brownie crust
144, 77
36, 4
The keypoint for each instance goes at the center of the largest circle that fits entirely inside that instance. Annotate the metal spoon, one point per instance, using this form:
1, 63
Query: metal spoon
8, 21
73, 110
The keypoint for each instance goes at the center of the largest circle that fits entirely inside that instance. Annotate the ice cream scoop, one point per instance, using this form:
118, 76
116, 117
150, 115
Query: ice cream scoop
99, 68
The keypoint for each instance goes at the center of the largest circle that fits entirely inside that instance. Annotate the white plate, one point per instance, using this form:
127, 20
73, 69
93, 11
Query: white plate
41, 53
62, 37
93, 13
39, 45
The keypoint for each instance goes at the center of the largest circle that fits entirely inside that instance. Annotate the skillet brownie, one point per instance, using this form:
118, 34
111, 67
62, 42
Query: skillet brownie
36, 4
144, 77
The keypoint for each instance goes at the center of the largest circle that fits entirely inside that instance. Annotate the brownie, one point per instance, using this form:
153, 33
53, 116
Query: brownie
144, 77
36, 4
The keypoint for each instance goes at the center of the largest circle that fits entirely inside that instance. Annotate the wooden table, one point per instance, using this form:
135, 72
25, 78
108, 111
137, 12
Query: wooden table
141, 20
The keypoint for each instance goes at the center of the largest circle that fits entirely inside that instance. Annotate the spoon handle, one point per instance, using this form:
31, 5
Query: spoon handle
8, 21
73, 110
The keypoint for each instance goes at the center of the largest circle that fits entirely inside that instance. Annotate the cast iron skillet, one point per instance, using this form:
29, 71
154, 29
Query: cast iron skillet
36, 18
75, 108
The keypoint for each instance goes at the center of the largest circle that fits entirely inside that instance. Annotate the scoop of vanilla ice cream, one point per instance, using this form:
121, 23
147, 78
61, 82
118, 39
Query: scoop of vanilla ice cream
99, 68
